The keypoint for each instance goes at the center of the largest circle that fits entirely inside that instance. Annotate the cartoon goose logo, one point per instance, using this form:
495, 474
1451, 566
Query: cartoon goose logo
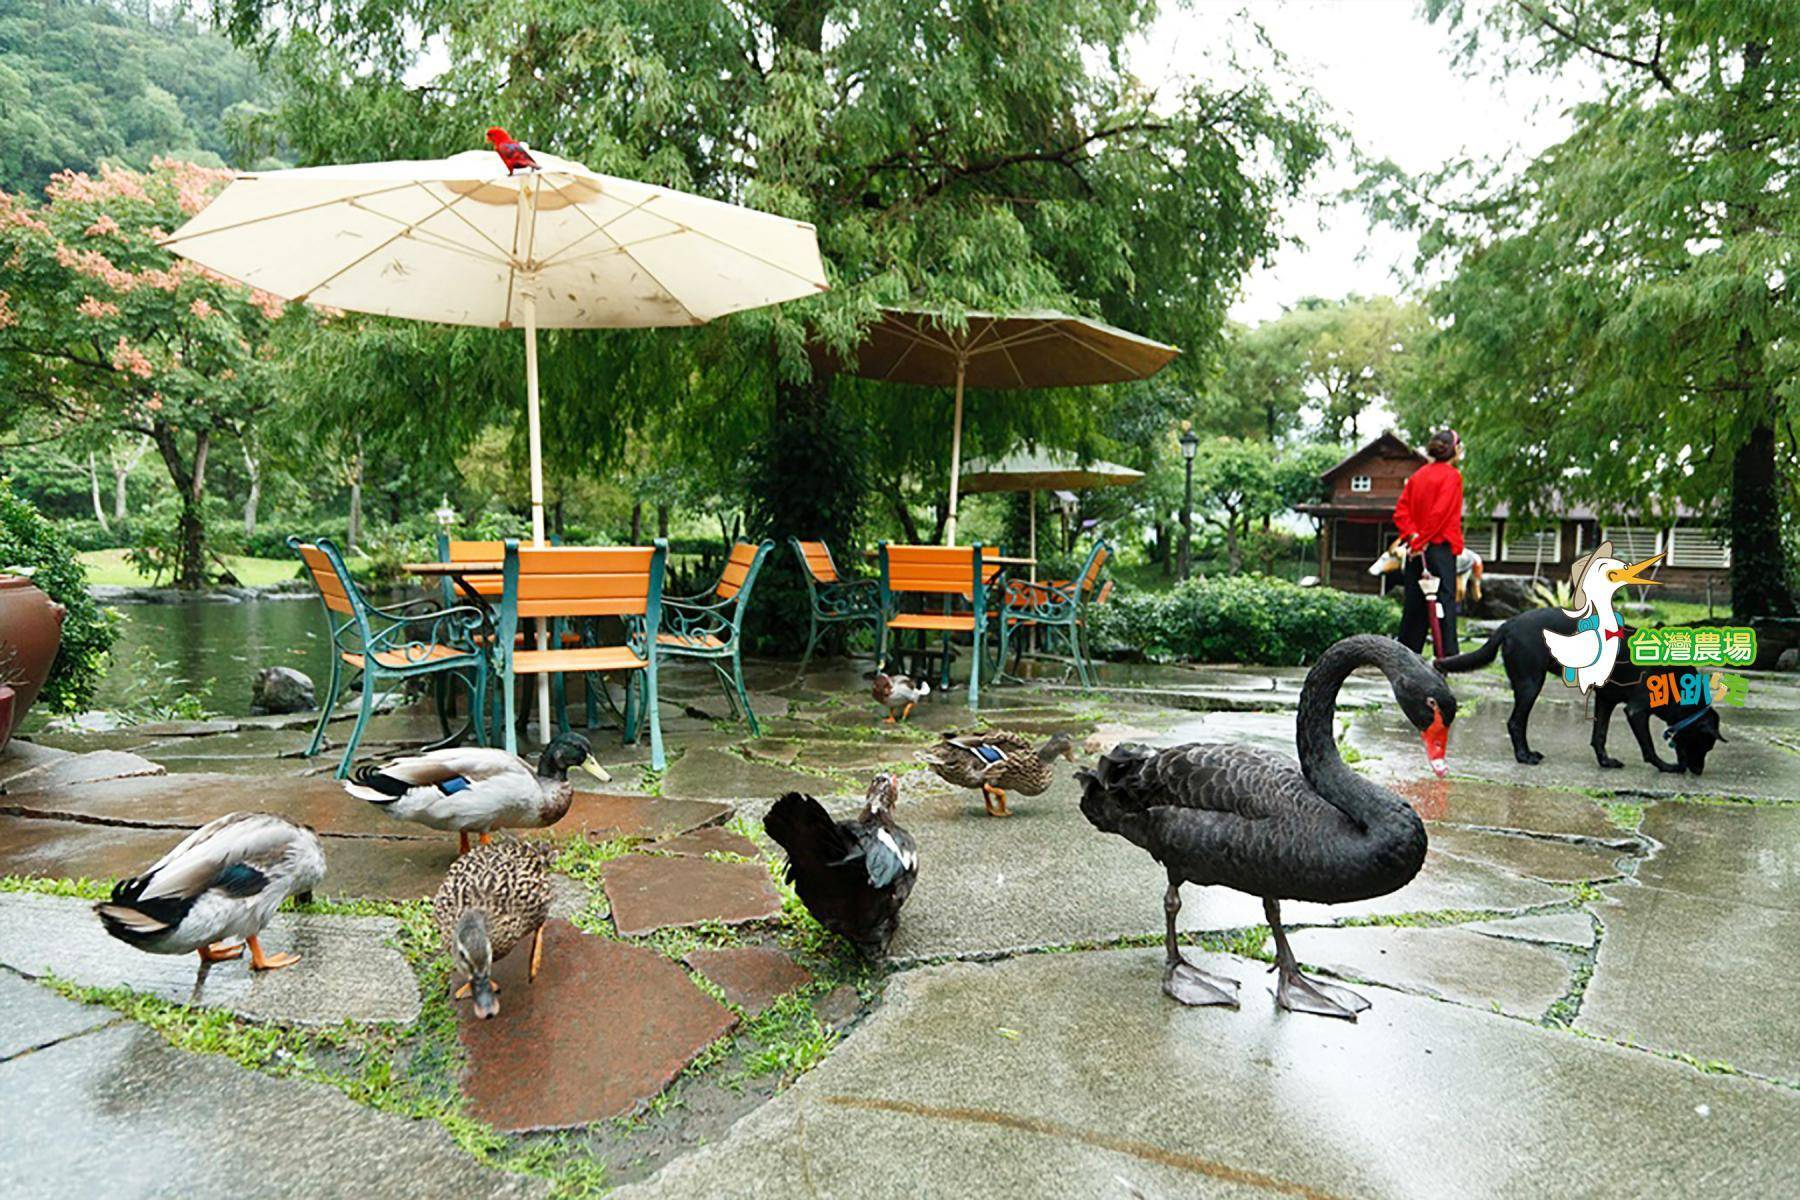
1587, 655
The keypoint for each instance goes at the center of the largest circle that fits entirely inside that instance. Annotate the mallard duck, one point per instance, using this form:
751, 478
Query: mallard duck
898, 693
489, 901
997, 762
224, 881
853, 876
477, 790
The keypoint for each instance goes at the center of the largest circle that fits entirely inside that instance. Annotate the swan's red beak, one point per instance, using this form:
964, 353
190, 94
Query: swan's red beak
1437, 742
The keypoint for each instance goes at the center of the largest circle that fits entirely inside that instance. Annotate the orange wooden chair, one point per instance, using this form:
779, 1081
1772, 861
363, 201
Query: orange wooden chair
833, 599
940, 576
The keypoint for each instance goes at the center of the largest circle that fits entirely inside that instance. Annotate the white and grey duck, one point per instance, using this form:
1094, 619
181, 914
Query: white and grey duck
219, 886
899, 693
477, 790
998, 762
491, 900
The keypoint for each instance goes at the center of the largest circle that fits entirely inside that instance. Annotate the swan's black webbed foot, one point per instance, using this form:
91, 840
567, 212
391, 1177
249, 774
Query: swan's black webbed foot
1296, 993
1189, 984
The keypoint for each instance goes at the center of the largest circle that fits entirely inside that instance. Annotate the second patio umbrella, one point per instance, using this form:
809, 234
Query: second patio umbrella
1037, 471
463, 241
1028, 349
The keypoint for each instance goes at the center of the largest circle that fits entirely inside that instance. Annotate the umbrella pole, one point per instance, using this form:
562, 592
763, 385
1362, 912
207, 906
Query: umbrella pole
1031, 499
955, 455
528, 301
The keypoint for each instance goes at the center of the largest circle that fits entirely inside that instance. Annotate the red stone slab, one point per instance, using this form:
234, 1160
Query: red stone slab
750, 976
608, 816
379, 868
191, 800
603, 1028
714, 839
653, 892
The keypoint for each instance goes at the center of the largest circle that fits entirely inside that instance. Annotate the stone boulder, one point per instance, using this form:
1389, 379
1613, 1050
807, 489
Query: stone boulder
282, 690
1788, 659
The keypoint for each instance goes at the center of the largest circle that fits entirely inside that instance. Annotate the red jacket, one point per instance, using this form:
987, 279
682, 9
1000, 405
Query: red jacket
1431, 505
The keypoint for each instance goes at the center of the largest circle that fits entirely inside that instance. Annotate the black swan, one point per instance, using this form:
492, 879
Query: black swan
853, 876
1249, 820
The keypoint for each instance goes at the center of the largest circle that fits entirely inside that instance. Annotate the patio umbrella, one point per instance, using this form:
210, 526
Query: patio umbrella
1028, 349
1037, 471
461, 241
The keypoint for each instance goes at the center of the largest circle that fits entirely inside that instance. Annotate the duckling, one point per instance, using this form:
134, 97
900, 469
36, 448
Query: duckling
224, 881
489, 901
853, 876
898, 693
478, 790
997, 762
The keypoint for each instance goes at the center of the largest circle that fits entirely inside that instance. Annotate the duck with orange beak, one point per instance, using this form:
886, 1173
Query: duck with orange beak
1589, 654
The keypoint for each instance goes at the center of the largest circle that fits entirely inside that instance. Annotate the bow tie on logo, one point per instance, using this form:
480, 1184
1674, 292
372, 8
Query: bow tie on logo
1612, 633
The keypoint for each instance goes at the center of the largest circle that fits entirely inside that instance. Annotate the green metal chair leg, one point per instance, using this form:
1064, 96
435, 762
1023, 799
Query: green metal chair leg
510, 731
974, 670
657, 761
331, 693
588, 682
362, 720
812, 639
737, 671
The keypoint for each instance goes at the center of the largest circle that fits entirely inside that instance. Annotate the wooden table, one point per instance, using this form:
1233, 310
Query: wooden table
459, 571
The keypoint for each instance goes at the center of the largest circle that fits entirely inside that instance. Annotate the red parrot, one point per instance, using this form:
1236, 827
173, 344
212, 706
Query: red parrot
514, 154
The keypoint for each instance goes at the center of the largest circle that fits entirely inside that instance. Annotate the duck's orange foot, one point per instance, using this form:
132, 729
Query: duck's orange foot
268, 962
218, 952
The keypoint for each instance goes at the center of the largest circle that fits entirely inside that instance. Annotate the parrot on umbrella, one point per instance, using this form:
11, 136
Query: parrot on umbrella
515, 154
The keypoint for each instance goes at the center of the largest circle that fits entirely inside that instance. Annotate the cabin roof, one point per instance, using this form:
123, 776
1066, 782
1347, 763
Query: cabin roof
1389, 444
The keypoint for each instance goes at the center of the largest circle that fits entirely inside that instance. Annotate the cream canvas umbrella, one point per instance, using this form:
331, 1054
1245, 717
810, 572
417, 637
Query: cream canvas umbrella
462, 241
1031, 349
1037, 471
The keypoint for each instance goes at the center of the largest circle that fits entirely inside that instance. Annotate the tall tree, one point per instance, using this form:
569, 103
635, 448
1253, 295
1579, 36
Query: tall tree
952, 154
1621, 323
101, 328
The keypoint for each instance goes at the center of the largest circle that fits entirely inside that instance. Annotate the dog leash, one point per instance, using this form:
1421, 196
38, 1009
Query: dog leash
1677, 727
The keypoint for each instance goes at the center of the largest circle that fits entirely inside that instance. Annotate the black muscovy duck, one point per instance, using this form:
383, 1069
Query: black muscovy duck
853, 876
1253, 821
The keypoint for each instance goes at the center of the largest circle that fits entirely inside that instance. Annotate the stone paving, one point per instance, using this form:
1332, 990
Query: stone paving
1654, 913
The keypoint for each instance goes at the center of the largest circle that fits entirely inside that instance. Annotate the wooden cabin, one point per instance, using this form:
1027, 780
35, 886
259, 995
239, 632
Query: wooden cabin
1357, 523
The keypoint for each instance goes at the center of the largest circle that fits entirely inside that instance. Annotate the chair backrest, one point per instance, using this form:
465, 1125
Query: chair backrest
944, 570
346, 611
740, 573
453, 550
816, 562
582, 581
1084, 592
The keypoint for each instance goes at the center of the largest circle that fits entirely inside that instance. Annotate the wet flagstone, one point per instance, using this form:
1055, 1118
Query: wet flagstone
1537, 858
193, 800
1697, 955
1504, 806
716, 774
714, 839
752, 977
649, 892
89, 767
122, 1114
1520, 978
1108, 1089
349, 968
1574, 927
37, 1017
22, 757
603, 816
603, 1028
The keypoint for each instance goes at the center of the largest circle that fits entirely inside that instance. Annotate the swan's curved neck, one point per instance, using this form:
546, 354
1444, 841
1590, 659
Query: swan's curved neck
1365, 802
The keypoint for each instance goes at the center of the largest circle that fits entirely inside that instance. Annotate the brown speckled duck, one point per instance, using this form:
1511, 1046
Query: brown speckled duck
997, 762
491, 899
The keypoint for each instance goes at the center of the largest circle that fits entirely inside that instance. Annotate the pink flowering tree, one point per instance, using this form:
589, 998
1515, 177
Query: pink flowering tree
103, 330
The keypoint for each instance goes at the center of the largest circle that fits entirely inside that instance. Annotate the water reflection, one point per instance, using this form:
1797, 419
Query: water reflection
214, 649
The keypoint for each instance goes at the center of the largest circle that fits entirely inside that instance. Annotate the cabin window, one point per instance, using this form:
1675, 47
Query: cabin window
1526, 545
1479, 538
1361, 483
1632, 543
1692, 546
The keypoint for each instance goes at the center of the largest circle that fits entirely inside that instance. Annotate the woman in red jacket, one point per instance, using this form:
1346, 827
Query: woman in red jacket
1429, 518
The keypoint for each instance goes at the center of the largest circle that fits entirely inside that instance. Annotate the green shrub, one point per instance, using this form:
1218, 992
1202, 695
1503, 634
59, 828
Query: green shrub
28, 540
1242, 618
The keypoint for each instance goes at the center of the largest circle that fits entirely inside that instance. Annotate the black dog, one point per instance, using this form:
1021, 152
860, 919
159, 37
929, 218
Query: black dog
1695, 727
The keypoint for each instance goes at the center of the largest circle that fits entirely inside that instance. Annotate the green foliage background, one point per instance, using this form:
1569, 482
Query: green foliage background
28, 540
1243, 618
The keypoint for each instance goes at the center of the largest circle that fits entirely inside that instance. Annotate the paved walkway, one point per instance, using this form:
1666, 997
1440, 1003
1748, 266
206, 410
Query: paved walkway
1641, 910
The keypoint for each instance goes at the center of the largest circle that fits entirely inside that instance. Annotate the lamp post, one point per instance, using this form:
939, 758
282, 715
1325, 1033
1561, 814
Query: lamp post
446, 515
1189, 444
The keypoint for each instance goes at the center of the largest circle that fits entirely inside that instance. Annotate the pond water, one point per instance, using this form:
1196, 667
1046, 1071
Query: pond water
211, 650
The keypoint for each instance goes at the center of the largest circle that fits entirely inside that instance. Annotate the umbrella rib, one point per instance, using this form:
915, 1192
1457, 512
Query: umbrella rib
600, 228
370, 253
767, 262
478, 230
291, 212
1095, 350
626, 251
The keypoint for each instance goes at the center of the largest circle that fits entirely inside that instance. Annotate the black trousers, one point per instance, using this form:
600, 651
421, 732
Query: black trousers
1415, 626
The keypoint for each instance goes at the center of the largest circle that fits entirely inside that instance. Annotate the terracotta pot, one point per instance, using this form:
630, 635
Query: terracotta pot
6, 716
30, 633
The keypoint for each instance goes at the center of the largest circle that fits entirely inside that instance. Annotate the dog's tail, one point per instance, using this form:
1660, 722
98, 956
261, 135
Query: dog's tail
1475, 659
